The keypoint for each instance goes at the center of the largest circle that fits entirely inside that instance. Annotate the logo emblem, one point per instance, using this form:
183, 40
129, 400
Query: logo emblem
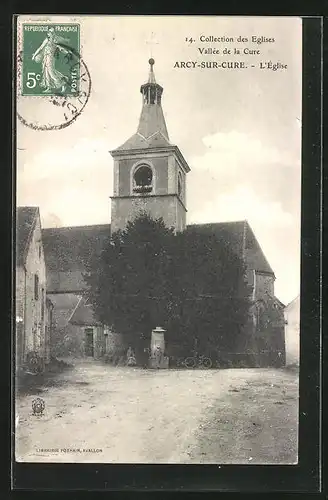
38, 406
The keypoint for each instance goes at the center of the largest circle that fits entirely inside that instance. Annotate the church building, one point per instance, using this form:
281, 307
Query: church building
150, 175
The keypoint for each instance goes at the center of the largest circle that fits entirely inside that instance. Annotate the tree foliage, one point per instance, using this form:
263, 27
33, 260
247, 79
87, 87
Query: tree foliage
190, 284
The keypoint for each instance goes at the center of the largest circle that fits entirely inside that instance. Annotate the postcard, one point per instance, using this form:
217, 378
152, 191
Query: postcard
157, 295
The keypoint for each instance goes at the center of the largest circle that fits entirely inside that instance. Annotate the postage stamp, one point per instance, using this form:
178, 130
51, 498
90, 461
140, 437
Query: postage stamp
48, 53
53, 81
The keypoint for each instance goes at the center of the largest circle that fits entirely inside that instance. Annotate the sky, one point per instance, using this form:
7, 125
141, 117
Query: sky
239, 130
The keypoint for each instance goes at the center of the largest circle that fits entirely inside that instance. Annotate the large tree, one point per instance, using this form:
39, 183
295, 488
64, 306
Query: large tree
129, 282
190, 284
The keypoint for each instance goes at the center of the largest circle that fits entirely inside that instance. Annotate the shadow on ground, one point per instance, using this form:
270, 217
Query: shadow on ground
35, 383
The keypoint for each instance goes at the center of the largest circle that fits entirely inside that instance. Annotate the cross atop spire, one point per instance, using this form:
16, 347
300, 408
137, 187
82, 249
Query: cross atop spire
151, 42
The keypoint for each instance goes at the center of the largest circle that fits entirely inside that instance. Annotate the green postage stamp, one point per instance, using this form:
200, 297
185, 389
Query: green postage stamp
50, 59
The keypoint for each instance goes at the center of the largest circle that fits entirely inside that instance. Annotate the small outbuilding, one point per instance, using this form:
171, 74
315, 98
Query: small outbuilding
292, 332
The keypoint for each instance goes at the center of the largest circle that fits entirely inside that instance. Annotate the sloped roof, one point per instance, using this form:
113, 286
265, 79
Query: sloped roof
70, 248
240, 237
152, 120
151, 132
26, 218
83, 314
267, 297
254, 255
66, 281
64, 306
280, 304
232, 233
138, 141
294, 303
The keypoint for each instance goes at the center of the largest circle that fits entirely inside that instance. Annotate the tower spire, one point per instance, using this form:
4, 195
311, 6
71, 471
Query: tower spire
152, 118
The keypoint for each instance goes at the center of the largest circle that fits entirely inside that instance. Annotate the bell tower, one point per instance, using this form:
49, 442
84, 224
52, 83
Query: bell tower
149, 171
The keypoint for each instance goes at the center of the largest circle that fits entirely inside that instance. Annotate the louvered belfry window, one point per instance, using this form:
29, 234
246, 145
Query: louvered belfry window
143, 179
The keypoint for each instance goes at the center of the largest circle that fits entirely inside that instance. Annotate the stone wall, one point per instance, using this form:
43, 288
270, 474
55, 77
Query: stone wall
30, 300
163, 201
160, 168
48, 330
70, 341
269, 341
263, 284
20, 315
114, 342
168, 207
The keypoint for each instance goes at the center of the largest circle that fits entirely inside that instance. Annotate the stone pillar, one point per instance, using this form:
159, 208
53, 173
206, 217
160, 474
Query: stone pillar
157, 349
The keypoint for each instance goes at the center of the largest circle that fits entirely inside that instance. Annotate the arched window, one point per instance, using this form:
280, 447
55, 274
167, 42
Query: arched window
143, 179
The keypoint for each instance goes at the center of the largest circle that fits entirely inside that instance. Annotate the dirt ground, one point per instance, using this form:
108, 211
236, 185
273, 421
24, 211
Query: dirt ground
98, 413
262, 418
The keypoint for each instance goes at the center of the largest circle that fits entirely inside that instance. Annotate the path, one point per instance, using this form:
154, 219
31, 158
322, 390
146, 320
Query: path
98, 413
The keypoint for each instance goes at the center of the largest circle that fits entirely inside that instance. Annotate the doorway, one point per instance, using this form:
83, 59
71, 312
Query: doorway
89, 342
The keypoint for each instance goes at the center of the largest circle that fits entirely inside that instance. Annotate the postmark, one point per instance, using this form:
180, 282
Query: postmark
53, 81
